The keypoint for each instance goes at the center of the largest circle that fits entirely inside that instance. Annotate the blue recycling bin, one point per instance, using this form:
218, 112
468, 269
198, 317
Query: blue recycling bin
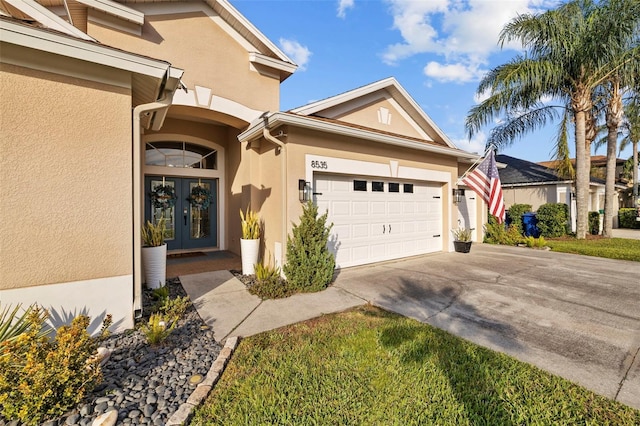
529, 222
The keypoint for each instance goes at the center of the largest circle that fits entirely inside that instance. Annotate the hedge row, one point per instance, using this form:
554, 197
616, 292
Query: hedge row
627, 218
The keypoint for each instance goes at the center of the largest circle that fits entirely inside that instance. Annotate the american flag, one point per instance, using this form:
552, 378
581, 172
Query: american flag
485, 180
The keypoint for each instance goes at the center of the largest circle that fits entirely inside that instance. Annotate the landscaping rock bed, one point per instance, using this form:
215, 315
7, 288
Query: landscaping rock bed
146, 384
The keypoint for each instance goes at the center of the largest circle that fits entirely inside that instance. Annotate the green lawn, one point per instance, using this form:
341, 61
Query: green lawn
613, 248
371, 367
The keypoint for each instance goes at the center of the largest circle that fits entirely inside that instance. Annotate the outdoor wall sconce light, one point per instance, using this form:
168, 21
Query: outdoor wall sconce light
458, 195
304, 191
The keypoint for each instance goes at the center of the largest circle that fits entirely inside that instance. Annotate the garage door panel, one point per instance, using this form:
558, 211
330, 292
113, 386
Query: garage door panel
361, 230
380, 225
360, 207
341, 208
379, 208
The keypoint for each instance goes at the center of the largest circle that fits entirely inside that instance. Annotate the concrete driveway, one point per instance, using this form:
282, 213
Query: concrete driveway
575, 316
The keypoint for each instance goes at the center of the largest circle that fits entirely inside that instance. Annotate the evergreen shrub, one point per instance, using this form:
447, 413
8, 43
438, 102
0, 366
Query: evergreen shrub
627, 218
594, 223
514, 214
310, 264
553, 219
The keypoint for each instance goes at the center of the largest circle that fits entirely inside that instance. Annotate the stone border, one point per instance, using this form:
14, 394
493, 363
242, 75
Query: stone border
185, 410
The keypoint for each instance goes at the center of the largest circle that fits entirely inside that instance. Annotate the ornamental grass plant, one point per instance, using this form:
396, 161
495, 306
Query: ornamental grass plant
250, 224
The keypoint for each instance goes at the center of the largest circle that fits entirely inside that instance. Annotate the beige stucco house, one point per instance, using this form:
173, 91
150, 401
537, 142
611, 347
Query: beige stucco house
102, 101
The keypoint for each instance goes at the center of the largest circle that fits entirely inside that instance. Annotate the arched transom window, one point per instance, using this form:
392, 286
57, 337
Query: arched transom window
180, 154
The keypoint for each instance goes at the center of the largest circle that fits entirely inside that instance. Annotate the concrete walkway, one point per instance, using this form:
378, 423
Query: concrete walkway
575, 316
633, 234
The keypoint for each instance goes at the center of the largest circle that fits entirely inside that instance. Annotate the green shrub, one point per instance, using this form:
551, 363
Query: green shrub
497, 233
161, 293
41, 378
553, 219
627, 218
310, 264
157, 329
514, 214
174, 309
532, 242
594, 223
269, 282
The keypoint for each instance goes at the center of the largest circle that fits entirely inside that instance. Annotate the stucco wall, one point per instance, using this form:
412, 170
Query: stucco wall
534, 195
209, 55
368, 116
65, 176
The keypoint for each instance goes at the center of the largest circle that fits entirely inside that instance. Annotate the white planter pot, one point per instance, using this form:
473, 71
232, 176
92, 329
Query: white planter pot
154, 263
249, 250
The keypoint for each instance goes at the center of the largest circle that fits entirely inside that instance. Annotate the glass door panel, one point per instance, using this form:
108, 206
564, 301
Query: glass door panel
200, 213
163, 207
191, 218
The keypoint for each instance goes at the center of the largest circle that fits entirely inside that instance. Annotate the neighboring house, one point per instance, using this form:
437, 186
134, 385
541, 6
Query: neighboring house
524, 182
91, 123
599, 171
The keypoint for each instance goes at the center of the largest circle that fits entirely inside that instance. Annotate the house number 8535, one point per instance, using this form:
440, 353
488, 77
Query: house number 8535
319, 165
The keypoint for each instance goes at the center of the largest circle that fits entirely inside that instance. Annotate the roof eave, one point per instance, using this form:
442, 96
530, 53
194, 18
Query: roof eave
280, 118
61, 44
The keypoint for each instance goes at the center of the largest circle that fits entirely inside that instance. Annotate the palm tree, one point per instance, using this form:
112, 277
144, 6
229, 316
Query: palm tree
626, 53
565, 59
631, 131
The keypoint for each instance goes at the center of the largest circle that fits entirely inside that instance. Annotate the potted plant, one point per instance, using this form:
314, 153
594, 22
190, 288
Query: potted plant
154, 254
250, 241
462, 240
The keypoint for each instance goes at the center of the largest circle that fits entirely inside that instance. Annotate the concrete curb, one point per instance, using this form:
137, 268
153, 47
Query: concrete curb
185, 410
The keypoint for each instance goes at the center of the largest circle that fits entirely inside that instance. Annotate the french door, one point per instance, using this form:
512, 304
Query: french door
191, 216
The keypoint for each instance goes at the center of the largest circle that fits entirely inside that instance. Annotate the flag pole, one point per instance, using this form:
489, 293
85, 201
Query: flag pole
490, 146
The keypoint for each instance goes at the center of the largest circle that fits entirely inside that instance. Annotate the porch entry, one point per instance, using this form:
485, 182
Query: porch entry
190, 223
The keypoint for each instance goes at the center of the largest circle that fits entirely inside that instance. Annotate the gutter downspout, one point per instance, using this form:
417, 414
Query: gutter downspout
283, 150
165, 102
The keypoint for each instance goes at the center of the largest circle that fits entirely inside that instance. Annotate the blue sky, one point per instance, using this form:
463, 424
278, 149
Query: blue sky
438, 50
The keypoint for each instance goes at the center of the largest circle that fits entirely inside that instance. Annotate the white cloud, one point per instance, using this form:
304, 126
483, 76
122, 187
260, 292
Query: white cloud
298, 53
343, 5
463, 32
458, 73
474, 145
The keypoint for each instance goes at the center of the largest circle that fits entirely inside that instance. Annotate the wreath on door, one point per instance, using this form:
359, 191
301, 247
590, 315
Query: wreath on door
200, 197
163, 196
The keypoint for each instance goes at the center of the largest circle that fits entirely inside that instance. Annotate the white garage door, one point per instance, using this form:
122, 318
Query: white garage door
379, 219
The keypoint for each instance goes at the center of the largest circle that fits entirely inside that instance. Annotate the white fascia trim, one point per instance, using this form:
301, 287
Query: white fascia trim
323, 104
387, 83
267, 61
247, 24
47, 18
34, 38
280, 118
116, 9
522, 185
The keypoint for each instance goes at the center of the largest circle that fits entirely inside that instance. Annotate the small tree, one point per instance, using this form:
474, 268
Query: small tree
310, 264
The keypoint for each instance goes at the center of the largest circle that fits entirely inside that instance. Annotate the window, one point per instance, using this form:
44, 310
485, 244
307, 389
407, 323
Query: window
377, 186
359, 185
408, 188
394, 187
180, 154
